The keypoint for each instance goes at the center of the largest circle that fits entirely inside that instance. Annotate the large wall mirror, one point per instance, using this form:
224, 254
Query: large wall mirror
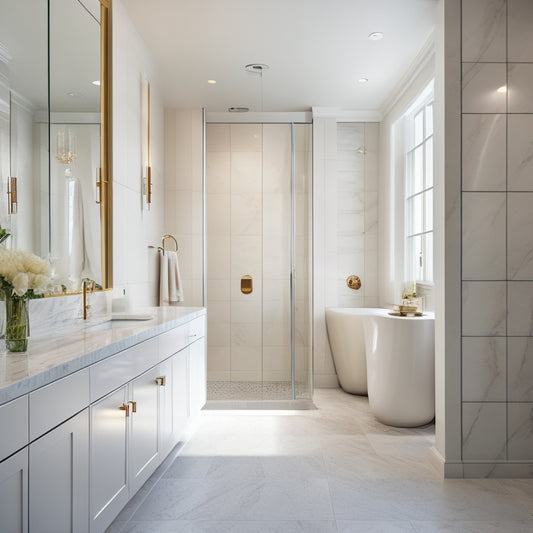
54, 135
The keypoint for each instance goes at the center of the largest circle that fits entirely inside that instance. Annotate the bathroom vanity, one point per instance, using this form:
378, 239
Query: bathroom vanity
86, 417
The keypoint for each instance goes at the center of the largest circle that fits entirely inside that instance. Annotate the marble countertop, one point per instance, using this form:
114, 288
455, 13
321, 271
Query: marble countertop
56, 355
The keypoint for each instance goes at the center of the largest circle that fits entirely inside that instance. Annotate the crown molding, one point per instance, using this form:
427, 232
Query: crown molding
348, 115
421, 61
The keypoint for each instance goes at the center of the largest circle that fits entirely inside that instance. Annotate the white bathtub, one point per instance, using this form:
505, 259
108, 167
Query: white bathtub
347, 342
389, 358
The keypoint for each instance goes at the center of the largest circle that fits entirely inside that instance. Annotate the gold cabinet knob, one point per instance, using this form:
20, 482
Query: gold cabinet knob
125, 407
353, 282
161, 380
133, 406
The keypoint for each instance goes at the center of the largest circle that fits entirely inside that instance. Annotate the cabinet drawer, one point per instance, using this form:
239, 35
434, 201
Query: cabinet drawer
14, 424
174, 340
55, 403
196, 329
113, 372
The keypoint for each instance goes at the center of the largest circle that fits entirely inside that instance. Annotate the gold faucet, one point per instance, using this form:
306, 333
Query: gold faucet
86, 284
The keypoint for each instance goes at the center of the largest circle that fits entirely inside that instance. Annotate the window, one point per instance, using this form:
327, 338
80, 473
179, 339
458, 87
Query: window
419, 189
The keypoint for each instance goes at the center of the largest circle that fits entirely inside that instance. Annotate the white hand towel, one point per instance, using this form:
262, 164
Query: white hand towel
170, 287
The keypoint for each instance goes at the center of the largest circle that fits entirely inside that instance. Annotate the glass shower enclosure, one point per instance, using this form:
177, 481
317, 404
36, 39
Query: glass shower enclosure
259, 251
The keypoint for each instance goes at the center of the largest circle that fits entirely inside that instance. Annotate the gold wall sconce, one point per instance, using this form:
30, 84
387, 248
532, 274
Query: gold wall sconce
12, 201
146, 148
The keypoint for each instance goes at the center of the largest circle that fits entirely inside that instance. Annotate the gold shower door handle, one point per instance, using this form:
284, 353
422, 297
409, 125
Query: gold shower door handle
247, 284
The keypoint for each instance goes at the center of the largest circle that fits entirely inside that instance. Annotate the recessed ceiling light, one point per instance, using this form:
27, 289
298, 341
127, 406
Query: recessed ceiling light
96, 82
211, 82
502, 89
376, 36
362, 80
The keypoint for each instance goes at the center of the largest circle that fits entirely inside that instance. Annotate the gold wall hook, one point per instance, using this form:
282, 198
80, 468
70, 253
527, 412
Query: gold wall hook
353, 282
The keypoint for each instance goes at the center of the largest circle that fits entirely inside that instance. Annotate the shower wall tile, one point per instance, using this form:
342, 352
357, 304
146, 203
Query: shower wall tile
245, 334
276, 363
276, 213
520, 421
276, 158
245, 312
520, 152
218, 334
484, 308
218, 138
276, 257
484, 431
520, 22
246, 214
484, 231
520, 236
246, 256
246, 138
484, 155
484, 30
246, 363
520, 92
484, 369
218, 214
218, 252
520, 308
277, 332
218, 362
480, 84
246, 172
218, 171
520, 368
218, 289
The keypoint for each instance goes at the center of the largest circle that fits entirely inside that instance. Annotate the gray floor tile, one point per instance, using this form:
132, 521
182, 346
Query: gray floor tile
261, 499
374, 526
221, 526
473, 527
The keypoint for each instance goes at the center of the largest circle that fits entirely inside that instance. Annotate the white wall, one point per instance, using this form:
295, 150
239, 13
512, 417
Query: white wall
184, 205
135, 267
391, 246
345, 185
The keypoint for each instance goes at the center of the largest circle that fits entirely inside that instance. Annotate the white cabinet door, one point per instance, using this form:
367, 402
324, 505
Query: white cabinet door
144, 444
59, 478
14, 493
166, 430
108, 445
198, 376
180, 393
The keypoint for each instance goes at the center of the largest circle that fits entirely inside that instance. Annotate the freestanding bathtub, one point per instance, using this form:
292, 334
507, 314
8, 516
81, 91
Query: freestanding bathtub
393, 355
347, 342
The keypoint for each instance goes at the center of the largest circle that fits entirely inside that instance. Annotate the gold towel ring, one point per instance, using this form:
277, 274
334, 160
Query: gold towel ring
168, 236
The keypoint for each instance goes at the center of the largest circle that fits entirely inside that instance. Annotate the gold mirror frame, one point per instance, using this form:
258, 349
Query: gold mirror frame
106, 149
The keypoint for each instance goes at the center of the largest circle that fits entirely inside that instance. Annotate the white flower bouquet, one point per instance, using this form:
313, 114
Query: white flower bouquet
23, 276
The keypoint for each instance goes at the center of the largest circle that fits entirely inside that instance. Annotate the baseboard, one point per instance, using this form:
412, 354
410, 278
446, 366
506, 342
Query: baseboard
326, 381
480, 469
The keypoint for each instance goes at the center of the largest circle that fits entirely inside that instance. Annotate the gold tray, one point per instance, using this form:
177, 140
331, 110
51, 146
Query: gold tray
397, 313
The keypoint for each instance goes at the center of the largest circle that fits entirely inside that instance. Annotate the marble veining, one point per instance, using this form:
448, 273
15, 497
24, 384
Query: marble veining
484, 30
55, 355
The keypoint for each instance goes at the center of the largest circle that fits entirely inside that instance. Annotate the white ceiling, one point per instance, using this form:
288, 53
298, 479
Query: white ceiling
316, 50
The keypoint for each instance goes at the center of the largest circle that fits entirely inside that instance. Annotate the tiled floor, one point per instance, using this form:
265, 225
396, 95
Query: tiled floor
333, 469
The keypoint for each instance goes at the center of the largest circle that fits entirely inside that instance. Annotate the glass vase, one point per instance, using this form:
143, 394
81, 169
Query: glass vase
17, 323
